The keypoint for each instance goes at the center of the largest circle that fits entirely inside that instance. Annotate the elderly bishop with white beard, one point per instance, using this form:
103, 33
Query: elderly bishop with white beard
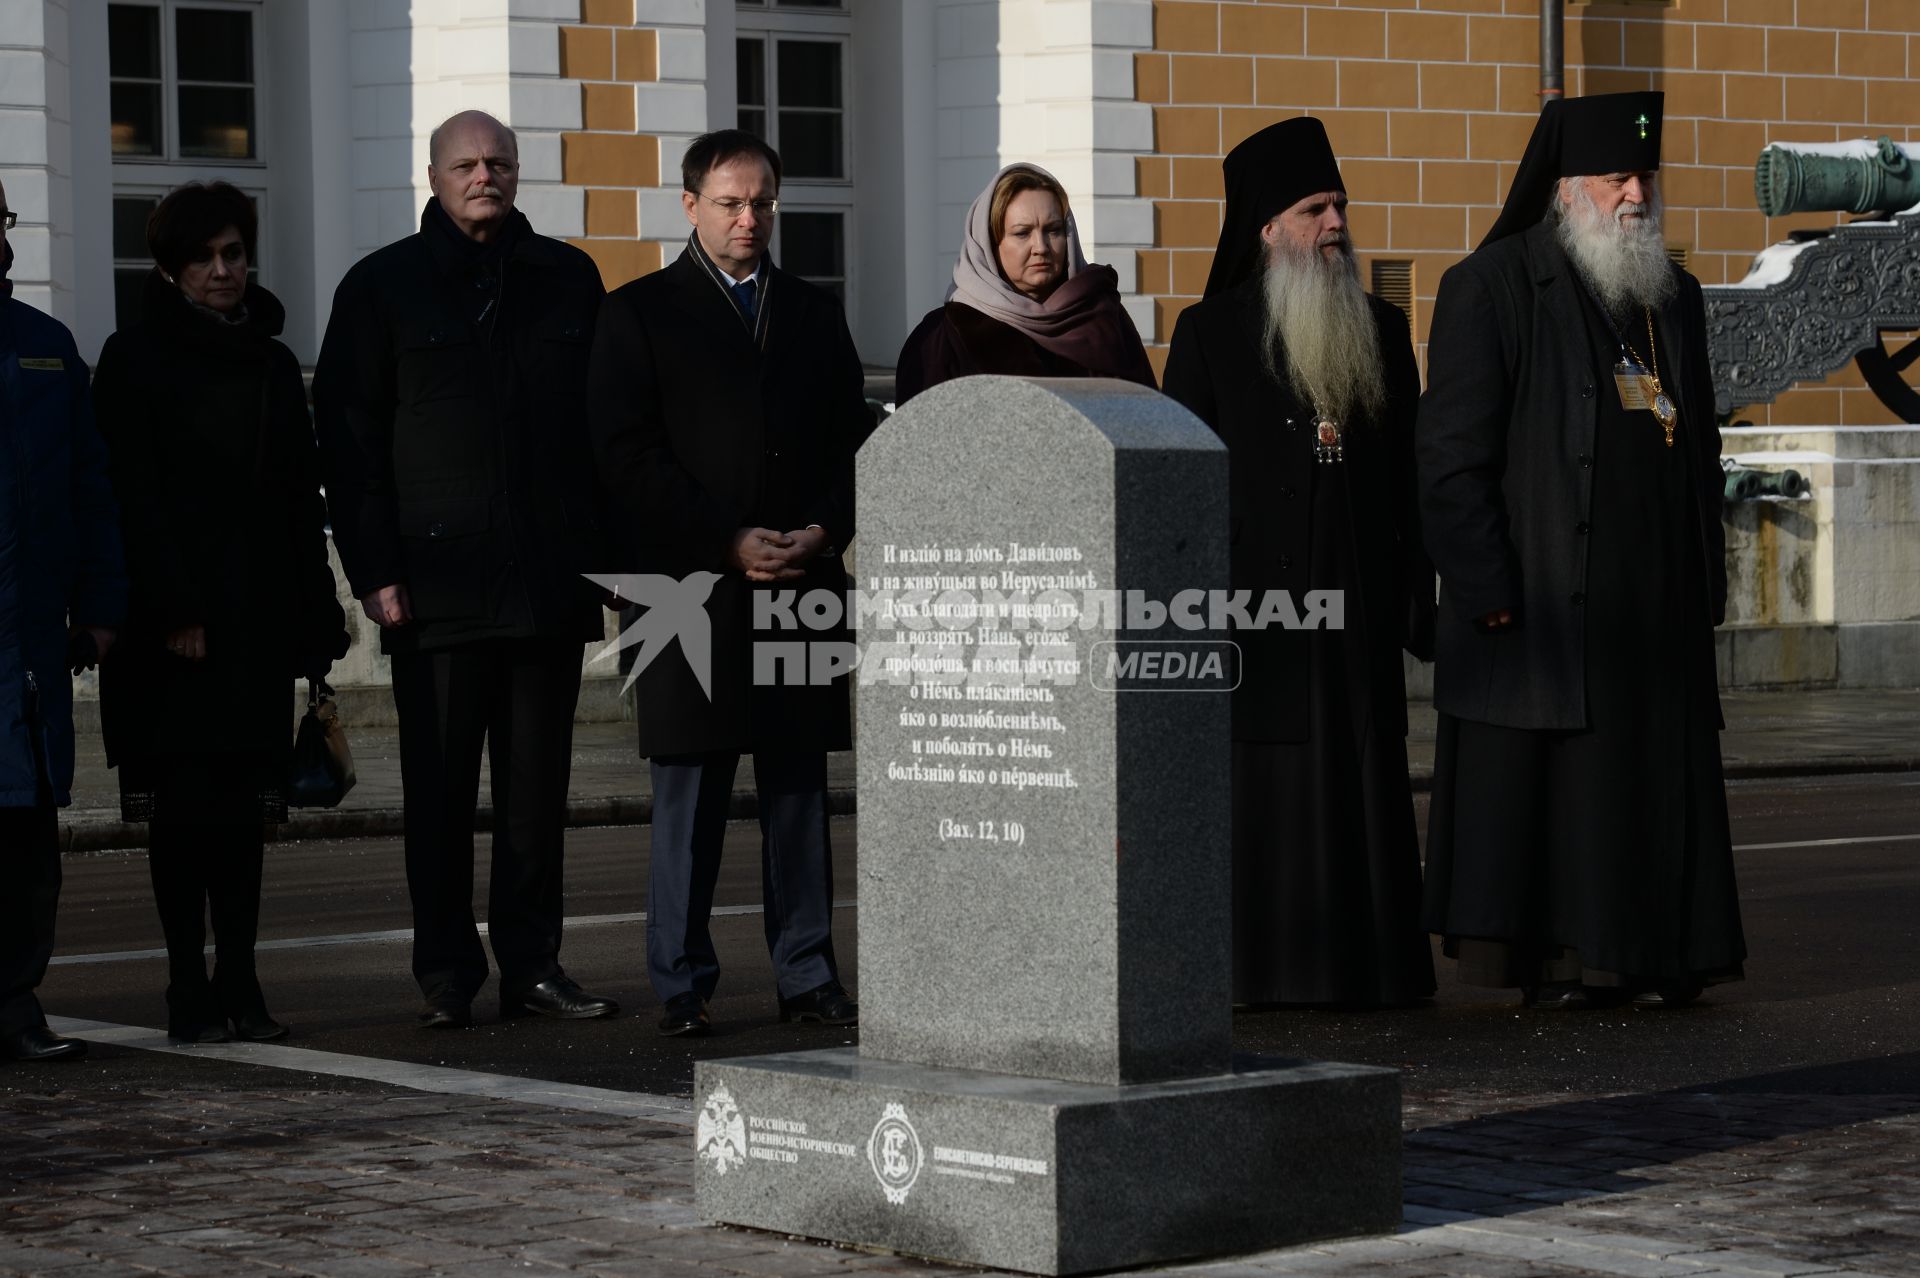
1312, 385
1578, 846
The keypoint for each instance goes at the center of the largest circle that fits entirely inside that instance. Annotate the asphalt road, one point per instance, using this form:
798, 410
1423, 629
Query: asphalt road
1831, 1003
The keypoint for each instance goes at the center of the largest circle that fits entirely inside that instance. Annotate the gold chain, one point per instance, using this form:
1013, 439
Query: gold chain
1653, 353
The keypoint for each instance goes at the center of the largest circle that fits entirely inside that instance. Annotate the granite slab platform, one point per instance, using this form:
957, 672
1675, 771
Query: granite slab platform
1044, 1176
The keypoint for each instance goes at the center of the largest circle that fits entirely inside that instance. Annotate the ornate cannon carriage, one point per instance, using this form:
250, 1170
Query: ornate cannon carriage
1831, 295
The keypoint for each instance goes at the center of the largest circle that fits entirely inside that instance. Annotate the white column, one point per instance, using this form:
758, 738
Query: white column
1046, 81
1067, 103
539, 104
695, 92
91, 220
36, 151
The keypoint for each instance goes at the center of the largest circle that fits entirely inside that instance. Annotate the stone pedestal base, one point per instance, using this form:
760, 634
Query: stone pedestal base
1042, 1176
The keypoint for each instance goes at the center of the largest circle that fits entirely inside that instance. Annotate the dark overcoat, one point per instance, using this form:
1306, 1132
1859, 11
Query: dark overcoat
59, 548
455, 447
699, 432
219, 487
958, 341
1505, 445
1214, 368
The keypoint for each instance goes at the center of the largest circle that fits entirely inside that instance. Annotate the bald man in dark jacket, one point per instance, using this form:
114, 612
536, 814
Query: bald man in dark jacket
450, 401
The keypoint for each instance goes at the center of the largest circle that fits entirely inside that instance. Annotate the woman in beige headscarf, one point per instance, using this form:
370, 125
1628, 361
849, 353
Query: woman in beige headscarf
1024, 301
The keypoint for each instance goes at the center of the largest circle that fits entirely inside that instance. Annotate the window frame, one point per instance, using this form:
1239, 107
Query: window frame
152, 176
769, 24
170, 157
769, 42
764, 14
847, 241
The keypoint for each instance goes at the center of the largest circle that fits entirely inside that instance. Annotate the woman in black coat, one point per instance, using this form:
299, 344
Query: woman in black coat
233, 598
1024, 301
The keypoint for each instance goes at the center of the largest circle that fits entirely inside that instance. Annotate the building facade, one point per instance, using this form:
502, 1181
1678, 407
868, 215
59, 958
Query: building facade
891, 114
1429, 103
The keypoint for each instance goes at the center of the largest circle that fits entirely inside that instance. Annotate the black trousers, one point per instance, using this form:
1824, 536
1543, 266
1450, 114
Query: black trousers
200, 869
515, 698
29, 900
690, 798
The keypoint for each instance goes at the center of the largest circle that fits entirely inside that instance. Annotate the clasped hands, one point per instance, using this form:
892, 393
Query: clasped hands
766, 555
761, 553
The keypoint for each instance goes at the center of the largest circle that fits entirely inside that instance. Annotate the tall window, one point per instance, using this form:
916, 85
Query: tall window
792, 93
182, 81
792, 59
184, 106
131, 261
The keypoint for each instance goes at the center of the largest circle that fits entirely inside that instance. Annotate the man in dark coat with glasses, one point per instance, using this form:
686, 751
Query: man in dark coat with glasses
727, 403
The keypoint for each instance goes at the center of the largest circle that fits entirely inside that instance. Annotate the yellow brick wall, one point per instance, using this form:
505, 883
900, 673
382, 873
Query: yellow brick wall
1429, 104
609, 55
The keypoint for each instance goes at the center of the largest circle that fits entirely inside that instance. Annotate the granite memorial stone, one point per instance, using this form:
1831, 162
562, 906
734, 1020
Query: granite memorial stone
1044, 1080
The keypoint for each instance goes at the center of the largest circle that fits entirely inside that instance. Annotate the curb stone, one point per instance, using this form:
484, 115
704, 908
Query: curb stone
610, 810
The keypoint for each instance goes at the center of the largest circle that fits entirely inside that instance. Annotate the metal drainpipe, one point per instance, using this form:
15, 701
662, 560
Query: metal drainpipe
1553, 24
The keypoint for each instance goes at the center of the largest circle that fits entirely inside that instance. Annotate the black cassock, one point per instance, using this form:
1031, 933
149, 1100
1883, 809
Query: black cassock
1600, 853
1326, 868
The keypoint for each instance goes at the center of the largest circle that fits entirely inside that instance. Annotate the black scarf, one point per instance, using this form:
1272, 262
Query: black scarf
763, 303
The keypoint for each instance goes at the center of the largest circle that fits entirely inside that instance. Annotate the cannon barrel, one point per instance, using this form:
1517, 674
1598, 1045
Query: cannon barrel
1789, 181
1751, 485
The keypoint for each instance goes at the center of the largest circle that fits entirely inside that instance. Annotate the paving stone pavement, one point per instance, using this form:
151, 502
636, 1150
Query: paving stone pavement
380, 1182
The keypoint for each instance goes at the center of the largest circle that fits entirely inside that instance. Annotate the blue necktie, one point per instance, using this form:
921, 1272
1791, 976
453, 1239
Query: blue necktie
743, 293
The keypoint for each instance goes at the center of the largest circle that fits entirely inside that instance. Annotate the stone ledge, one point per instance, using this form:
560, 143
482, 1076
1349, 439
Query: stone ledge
1866, 654
1042, 1176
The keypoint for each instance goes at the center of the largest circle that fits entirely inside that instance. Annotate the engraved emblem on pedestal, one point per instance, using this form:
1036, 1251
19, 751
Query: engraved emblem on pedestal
895, 1154
721, 1137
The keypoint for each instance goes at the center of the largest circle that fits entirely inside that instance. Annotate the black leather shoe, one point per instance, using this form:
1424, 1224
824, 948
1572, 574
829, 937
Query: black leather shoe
257, 1027
560, 998
446, 1011
1660, 996
686, 1017
38, 1043
1557, 996
828, 1005
193, 1033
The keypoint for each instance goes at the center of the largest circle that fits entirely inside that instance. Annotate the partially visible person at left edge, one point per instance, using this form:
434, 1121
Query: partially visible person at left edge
1024, 301
63, 593
233, 598
451, 401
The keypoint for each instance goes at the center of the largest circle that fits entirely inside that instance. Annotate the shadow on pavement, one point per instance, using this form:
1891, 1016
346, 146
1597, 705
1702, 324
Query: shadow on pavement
1523, 1159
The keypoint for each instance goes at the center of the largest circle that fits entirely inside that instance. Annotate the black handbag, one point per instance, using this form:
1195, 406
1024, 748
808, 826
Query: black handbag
321, 770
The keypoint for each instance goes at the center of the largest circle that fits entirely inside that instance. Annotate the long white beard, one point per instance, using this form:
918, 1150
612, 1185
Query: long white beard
1626, 264
1318, 314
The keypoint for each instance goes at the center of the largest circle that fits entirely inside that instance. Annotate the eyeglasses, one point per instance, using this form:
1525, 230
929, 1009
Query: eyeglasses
8, 218
734, 208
